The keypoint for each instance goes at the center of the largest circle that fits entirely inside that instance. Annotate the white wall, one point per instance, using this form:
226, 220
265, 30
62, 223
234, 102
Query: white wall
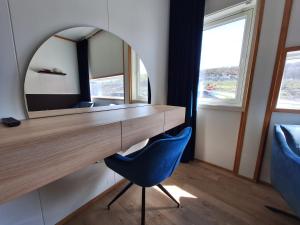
54, 53
25, 210
105, 55
64, 196
217, 132
293, 39
11, 94
217, 128
261, 84
141, 23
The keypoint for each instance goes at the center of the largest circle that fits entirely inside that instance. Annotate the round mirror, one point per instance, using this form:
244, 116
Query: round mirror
84, 67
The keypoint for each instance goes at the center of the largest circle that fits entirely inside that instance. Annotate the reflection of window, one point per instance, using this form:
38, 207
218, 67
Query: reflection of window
141, 81
224, 60
108, 87
289, 95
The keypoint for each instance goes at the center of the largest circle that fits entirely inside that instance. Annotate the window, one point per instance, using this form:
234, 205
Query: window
108, 87
289, 95
225, 50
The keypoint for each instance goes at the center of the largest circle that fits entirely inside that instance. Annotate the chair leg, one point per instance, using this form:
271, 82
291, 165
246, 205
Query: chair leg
143, 206
167, 193
275, 210
120, 194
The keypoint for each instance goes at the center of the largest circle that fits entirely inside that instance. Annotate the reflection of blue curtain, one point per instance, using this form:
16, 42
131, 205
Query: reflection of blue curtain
149, 92
83, 69
186, 26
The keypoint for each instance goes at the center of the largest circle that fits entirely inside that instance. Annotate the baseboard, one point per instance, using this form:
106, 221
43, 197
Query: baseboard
213, 165
246, 178
265, 183
91, 202
229, 171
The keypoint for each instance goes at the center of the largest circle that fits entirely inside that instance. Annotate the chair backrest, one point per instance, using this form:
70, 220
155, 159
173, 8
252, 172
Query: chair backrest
292, 136
285, 164
159, 160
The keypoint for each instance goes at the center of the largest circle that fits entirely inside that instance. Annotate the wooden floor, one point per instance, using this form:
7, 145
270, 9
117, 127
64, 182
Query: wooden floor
208, 196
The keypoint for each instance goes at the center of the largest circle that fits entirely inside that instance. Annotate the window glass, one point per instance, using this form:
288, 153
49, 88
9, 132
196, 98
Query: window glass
222, 70
289, 95
108, 87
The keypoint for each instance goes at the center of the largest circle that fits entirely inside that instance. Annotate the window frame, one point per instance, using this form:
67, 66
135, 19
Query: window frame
223, 18
277, 87
110, 98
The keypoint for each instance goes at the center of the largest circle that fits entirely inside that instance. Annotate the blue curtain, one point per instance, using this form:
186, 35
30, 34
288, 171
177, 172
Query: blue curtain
185, 38
83, 69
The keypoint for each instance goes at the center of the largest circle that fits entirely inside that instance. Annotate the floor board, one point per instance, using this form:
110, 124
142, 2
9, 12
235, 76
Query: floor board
209, 196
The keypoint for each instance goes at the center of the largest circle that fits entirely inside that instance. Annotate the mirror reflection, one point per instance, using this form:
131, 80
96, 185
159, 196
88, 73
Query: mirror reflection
84, 67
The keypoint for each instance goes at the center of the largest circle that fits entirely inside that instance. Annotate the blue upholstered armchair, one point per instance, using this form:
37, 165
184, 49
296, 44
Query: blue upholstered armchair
285, 167
151, 165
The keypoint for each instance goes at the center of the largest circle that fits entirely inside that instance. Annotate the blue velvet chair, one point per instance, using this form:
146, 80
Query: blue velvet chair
151, 165
285, 165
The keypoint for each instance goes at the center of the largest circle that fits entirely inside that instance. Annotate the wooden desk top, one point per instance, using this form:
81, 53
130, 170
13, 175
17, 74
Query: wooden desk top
43, 150
36, 128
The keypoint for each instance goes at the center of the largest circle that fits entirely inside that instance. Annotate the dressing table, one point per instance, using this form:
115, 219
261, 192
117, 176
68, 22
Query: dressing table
81, 66
43, 150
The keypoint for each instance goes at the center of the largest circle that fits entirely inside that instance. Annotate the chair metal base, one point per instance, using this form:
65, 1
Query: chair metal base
167, 193
275, 210
120, 194
143, 198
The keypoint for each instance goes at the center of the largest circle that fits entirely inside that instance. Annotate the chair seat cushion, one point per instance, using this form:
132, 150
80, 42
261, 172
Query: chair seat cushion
292, 135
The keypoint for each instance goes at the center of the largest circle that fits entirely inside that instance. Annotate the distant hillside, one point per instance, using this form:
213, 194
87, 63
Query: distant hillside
224, 73
292, 71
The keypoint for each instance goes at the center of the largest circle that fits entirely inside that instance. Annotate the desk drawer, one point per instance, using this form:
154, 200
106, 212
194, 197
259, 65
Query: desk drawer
26, 166
174, 118
139, 129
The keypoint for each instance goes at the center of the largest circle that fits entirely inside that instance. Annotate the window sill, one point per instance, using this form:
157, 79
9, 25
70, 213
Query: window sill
281, 110
231, 108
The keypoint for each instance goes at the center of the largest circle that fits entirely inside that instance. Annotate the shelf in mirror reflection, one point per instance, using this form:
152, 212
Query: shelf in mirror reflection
49, 71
